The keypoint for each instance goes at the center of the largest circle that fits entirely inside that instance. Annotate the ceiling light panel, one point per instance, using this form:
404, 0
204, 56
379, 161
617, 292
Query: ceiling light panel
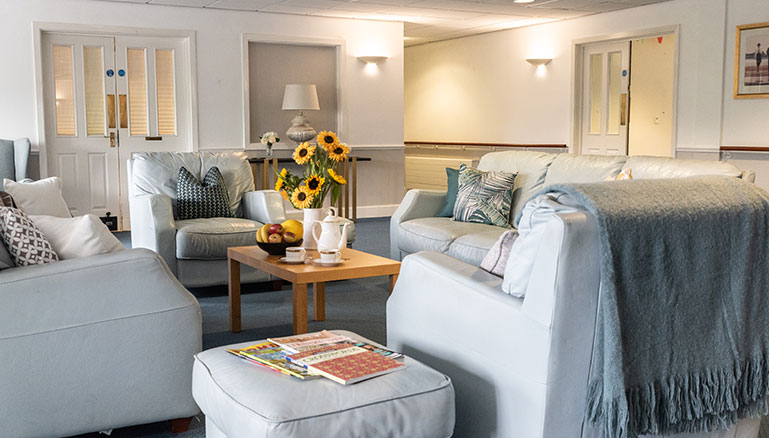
190, 3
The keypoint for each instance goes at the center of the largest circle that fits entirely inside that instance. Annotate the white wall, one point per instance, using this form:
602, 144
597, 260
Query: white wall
372, 101
481, 89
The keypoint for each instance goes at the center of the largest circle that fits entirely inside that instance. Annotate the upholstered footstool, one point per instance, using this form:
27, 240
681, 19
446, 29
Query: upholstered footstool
242, 400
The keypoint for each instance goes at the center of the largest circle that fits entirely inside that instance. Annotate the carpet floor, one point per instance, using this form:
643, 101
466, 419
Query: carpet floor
355, 305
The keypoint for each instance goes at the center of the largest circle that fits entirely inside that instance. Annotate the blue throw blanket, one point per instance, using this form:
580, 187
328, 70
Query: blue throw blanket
682, 330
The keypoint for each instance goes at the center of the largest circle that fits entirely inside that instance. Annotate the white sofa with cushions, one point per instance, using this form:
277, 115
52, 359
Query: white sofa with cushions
414, 226
520, 366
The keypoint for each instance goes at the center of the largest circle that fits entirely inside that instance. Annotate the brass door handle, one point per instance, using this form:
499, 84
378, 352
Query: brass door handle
112, 139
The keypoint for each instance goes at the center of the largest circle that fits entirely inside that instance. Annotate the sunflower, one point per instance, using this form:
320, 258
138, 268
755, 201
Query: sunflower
328, 140
281, 179
339, 152
336, 177
314, 184
302, 198
303, 153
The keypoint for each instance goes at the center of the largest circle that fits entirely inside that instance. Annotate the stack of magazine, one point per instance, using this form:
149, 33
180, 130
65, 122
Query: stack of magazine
336, 357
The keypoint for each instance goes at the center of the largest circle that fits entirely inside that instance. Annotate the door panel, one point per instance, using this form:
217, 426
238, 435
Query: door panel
605, 98
105, 99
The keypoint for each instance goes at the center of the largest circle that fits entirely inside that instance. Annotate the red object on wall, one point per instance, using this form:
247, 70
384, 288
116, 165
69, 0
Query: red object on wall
659, 40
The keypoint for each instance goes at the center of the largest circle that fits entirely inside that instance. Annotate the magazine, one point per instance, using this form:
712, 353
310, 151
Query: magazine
345, 363
319, 340
273, 356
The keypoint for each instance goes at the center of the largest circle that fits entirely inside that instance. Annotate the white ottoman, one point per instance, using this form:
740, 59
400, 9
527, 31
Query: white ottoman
241, 400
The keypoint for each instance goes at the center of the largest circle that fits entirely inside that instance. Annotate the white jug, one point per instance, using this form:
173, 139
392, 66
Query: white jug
330, 236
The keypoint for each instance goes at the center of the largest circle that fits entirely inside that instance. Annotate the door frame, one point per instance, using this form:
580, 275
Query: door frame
189, 44
577, 77
341, 85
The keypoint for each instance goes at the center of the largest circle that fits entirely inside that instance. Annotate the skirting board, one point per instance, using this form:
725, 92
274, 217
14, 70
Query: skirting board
364, 211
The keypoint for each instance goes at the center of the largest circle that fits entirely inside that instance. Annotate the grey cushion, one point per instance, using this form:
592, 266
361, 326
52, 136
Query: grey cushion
240, 399
472, 248
496, 259
7, 162
210, 238
573, 169
202, 199
436, 233
530, 169
664, 167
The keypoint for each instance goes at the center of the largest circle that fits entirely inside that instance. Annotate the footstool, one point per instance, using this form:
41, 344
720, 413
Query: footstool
242, 400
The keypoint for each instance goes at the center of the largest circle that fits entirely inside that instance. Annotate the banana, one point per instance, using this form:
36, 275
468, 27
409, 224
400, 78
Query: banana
262, 233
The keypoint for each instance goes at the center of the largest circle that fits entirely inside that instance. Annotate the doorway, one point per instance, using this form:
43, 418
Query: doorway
106, 97
625, 94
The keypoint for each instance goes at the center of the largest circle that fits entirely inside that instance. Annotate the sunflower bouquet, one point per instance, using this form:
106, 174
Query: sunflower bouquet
321, 162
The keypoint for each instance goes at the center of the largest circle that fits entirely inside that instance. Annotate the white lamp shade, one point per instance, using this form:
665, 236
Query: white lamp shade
300, 97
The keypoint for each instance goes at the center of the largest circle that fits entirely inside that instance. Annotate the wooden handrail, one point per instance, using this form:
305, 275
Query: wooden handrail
744, 149
497, 145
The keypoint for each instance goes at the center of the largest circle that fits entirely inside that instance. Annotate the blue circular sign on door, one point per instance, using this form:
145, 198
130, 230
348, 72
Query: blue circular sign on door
121, 72
110, 73
624, 73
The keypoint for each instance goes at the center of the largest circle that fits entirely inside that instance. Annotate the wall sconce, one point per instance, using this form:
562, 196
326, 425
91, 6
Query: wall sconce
539, 61
372, 59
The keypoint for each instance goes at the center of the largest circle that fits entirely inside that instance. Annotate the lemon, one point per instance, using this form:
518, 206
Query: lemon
293, 226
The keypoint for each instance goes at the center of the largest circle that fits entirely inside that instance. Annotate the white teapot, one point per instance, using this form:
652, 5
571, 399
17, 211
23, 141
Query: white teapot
330, 236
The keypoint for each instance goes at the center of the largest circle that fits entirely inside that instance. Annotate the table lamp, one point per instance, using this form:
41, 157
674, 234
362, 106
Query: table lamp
300, 97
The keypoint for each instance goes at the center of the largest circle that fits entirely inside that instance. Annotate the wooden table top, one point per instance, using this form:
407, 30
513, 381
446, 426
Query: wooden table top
355, 264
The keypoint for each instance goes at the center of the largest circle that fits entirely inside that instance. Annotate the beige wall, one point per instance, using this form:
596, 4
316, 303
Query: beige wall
651, 96
272, 66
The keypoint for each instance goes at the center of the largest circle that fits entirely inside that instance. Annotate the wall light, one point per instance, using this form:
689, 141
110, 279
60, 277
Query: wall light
372, 59
539, 61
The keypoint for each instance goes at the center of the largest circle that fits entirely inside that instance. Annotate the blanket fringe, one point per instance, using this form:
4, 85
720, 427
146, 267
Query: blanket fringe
697, 402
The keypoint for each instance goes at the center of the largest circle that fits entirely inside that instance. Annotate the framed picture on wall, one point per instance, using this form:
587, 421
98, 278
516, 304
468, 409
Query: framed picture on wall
751, 64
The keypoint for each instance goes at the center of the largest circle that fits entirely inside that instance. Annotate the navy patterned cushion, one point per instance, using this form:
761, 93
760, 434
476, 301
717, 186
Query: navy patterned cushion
484, 197
197, 200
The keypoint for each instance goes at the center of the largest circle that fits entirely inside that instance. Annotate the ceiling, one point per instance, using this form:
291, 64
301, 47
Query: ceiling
425, 20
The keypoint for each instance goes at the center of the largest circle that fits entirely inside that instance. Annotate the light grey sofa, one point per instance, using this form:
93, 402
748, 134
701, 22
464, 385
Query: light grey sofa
519, 365
14, 157
95, 343
414, 226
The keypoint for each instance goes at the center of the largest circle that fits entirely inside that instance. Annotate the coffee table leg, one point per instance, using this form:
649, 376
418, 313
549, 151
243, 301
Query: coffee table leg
300, 308
319, 301
234, 294
393, 279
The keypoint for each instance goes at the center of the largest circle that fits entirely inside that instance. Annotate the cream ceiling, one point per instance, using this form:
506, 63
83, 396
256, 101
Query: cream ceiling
425, 20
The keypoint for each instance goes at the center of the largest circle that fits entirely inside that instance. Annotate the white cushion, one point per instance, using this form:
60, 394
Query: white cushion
80, 236
39, 197
531, 230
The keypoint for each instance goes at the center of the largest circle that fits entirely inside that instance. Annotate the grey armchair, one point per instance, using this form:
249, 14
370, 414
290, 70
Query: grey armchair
14, 156
196, 249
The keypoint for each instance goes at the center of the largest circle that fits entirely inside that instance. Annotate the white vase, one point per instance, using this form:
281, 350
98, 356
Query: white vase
311, 215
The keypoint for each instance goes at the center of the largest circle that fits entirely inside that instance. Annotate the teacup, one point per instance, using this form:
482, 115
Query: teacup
295, 254
330, 256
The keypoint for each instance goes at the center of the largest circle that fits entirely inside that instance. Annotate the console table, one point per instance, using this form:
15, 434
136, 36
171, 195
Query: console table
264, 170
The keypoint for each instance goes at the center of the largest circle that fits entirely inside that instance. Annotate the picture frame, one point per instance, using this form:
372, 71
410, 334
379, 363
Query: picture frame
751, 62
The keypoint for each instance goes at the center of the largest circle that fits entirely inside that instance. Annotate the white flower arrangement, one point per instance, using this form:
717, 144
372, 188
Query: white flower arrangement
269, 138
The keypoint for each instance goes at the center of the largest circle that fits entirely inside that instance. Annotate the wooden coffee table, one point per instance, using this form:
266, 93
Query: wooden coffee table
356, 264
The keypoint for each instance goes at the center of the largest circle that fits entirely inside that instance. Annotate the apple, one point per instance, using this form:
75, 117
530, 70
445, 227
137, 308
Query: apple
275, 238
289, 237
276, 229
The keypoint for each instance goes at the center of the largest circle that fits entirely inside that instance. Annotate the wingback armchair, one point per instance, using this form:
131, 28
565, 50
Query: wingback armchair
196, 249
14, 156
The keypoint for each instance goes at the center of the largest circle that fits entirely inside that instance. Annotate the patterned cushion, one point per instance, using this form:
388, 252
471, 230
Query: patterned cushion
6, 200
496, 259
484, 197
25, 242
196, 200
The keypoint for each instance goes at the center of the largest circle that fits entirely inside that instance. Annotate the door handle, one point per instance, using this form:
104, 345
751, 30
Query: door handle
623, 110
112, 139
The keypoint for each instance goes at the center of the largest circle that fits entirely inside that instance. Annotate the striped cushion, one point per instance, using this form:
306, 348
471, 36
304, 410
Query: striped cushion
484, 197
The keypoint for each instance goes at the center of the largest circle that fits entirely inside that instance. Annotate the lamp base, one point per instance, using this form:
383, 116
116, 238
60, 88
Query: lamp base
300, 130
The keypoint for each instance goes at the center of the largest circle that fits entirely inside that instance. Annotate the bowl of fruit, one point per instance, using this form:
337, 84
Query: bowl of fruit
275, 238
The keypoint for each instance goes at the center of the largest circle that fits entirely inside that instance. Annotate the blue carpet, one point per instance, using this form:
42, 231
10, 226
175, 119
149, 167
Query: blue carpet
355, 305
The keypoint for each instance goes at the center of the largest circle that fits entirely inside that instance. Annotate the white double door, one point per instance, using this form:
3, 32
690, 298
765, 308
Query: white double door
605, 99
105, 98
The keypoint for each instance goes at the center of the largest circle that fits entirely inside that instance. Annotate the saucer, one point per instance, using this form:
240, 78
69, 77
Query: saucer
317, 262
291, 262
